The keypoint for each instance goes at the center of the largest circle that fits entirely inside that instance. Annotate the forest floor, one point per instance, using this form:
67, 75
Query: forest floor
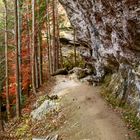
86, 115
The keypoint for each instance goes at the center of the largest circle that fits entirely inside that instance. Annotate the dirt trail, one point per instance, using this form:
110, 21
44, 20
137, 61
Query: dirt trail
88, 117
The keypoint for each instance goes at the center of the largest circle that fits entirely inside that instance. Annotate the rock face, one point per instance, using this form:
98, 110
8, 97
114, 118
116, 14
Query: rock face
112, 29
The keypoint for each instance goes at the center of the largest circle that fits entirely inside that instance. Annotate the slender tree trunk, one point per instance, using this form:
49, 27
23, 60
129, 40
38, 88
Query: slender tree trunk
39, 48
29, 42
48, 35
1, 119
36, 51
18, 109
57, 37
54, 35
74, 48
36, 69
33, 47
2, 79
59, 55
19, 49
50, 50
6, 62
40, 57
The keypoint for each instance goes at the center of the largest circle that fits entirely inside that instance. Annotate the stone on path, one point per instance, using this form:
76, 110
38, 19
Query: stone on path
48, 138
43, 109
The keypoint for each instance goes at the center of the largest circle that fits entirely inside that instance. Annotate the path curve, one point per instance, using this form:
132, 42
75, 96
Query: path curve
88, 117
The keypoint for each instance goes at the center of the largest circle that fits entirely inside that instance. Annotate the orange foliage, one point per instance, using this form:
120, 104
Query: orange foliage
25, 69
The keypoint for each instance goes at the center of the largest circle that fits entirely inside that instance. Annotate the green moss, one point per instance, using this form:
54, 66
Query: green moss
42, 99
107, 80
22, 130
130, 116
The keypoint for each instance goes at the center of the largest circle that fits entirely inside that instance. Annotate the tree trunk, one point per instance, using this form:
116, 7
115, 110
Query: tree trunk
74, 48
39, 47
48, 36
40, 57
1, 120
57, 38
19, 49
36, 69
54, 39
29, 42
18, 111
6, 62
50, 49
33, 47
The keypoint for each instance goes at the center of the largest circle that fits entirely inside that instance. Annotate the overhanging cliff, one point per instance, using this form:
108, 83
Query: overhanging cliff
112, 29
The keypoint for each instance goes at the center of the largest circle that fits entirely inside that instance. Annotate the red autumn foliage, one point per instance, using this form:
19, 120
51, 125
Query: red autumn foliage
25, 69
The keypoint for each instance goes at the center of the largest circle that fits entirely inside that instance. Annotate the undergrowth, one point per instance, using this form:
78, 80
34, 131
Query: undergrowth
68, 62
128, 113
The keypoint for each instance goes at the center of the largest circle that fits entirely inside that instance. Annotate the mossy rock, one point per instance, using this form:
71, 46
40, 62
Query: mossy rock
129, 112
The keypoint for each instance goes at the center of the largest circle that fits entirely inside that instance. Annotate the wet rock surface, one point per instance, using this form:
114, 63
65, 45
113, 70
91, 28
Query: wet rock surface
112, 30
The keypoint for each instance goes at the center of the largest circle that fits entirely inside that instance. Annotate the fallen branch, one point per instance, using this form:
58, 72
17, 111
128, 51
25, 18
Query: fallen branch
60, 72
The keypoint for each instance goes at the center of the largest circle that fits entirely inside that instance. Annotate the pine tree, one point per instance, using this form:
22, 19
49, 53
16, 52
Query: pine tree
18, 109
6, 60
33, 47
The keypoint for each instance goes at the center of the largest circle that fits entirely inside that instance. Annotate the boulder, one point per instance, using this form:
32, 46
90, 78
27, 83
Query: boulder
40, 112
88, 80
80, 73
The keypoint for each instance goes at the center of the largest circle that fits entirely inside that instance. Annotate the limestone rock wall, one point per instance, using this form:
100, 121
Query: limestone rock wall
112, 29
